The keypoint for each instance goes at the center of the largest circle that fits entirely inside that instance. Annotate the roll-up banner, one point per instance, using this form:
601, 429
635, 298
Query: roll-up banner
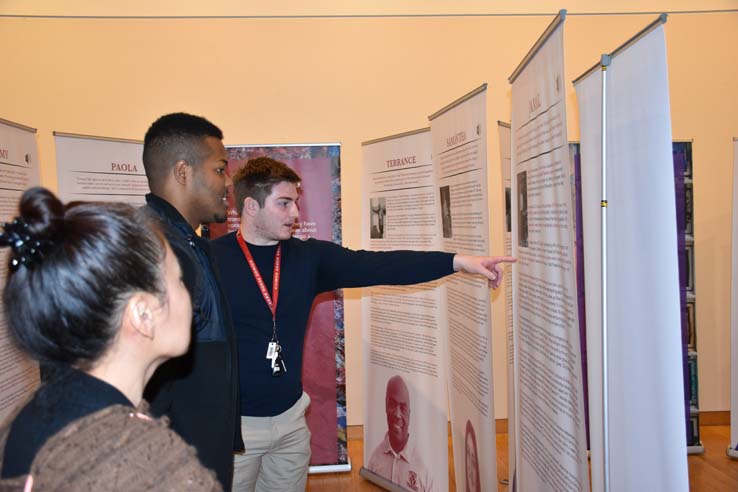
323, 368
405, 420
19, 170
733, 448
504, 133
550, 422
459, 136
644, 396
91, 168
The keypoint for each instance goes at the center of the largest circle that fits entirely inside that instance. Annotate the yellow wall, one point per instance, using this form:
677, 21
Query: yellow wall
350, 79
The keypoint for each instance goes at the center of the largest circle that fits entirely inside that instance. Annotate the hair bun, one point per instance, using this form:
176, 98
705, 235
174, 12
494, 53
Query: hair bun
30, 235
42, 211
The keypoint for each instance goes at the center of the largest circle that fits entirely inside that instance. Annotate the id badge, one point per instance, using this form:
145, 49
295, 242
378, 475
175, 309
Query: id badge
271, 350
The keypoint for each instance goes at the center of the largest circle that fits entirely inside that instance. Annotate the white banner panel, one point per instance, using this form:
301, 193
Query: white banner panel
549, 401
404, 376
733, 449
100, 169
647, 432
505, 135
459, 135
589, 97
19, 170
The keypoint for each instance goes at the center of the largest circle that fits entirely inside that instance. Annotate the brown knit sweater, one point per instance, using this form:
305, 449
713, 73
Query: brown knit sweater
116, 449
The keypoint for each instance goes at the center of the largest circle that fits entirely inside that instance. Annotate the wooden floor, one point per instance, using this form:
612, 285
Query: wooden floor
710, 472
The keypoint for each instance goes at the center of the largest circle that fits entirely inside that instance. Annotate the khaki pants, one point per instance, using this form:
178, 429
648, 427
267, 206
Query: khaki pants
277, 453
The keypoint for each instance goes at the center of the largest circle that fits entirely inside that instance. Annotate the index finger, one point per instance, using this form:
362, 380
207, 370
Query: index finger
506, 259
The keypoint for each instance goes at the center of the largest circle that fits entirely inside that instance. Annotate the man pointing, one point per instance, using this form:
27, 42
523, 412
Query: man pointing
271, 280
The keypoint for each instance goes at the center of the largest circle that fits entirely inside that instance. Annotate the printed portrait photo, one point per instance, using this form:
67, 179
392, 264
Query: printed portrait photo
508, 211
446, 211
523, 209
471, 460
396, 457
377, 216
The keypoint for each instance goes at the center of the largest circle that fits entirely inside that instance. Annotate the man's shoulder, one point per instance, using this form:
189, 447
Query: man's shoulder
309, 244
225, 249
224, 241
168, 227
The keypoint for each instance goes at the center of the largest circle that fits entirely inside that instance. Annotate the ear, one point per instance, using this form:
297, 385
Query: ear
139, 312
181, 171
250, 206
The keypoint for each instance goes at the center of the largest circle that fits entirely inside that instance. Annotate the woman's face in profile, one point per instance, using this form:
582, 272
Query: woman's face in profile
471, 465
175, 315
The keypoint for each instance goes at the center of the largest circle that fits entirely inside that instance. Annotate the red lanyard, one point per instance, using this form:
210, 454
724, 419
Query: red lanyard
271, 301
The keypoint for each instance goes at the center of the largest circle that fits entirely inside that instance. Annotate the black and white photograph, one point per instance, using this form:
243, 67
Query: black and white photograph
523, 209
446, 211
688, 209
508, 206
689, 264
691, 326
688, 159
377, 217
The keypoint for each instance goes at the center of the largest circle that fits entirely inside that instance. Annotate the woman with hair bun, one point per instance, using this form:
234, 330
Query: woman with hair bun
99, 301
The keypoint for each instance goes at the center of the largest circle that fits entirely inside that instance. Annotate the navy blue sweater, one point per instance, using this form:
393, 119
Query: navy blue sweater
56, 404
308, 268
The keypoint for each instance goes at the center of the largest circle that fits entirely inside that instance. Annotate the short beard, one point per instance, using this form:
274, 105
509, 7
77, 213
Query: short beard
219, 219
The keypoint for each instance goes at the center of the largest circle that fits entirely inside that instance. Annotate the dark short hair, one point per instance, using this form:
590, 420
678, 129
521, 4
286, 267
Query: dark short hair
257, 178
65, 308
175, 137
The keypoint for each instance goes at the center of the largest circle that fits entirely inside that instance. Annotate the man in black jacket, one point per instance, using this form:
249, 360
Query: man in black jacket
185, 164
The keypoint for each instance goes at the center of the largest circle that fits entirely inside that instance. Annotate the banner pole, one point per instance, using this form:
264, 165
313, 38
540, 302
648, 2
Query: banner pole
732, 450
604, 63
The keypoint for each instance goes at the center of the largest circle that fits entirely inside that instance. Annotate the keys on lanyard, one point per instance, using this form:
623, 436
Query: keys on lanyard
274, 354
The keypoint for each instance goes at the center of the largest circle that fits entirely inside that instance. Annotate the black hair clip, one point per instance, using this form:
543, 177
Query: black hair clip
26, 250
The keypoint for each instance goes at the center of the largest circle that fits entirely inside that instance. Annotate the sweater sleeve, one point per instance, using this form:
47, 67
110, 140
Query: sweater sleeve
341, 267
116, 449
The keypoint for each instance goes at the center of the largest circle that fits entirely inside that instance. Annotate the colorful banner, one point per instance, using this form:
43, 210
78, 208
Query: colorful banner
644, 349
682, 155
100, 169
733, 448
550, 421
402, 325
19, 170
323, 370
459, 135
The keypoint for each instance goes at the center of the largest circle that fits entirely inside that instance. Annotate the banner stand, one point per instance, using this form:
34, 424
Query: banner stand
340, 468
19, 164
402, 325
614, 464
381, 481
550, 441
732, 450
604, 63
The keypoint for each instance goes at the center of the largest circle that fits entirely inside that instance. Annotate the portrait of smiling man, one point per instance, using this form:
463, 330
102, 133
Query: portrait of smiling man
396, 458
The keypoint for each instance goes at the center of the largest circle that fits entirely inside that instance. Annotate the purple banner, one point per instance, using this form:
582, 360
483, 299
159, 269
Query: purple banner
681, 152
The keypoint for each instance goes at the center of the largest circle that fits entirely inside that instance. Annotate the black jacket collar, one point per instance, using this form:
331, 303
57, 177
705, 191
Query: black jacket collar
167, 211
